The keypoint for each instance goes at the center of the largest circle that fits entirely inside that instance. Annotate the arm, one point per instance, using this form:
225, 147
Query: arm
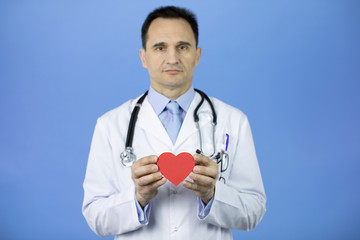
104, 205
240, 203
108, 208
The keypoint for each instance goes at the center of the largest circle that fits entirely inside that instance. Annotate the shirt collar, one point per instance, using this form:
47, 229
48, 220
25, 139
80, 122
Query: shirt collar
159, 102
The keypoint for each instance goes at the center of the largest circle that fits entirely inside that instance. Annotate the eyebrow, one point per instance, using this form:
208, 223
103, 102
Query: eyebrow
184, 43
161, 44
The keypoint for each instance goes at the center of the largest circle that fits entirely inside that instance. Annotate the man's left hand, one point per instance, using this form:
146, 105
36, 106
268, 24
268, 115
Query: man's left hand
204, 175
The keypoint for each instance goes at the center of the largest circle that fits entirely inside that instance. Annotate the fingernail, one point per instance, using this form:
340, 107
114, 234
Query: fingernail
192, 175
196, 169
155, 167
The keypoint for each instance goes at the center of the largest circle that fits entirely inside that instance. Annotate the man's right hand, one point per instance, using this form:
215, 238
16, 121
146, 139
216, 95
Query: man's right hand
147, 178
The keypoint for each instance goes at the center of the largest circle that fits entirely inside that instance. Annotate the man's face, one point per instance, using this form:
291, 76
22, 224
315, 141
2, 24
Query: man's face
171, 55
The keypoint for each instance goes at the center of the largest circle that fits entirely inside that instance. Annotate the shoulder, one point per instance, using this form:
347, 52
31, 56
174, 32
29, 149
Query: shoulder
230, 117
226, 110
119, 113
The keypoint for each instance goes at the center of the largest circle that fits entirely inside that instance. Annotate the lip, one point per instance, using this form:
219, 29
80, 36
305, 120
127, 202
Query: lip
172, 71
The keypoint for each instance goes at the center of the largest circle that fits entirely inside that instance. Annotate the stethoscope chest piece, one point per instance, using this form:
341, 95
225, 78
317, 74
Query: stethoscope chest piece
128, 157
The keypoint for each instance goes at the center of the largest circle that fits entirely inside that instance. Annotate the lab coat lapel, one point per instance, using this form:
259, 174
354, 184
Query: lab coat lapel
188, 126
150, 122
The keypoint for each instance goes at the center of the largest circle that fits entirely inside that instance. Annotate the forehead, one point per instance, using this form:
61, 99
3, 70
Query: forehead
170, 30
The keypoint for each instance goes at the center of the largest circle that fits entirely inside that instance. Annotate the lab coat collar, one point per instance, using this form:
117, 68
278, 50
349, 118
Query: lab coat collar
149, 121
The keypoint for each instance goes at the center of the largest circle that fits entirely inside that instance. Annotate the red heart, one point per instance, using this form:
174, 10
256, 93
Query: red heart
176, 168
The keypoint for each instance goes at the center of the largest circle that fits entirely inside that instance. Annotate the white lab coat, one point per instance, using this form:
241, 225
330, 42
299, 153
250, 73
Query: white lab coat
109, 205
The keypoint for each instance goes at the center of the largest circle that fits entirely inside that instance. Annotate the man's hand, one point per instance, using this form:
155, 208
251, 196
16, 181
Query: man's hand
205, 175
147, 178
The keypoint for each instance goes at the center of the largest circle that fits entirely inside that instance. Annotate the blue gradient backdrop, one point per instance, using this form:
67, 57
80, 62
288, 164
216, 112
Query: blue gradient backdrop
293, 66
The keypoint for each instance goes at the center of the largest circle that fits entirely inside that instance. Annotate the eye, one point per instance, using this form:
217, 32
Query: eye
160, 48
183, 47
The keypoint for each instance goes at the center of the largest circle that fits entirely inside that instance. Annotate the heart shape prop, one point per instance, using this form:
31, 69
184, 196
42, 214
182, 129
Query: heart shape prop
176, 168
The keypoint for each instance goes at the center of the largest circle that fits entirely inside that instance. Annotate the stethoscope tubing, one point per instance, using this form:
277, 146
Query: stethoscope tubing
135, 112
204, 96
133, 118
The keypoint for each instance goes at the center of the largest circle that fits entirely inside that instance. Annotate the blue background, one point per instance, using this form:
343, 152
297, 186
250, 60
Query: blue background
292, 66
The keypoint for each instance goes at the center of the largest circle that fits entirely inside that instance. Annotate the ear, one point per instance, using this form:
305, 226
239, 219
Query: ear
143, 58
198, 55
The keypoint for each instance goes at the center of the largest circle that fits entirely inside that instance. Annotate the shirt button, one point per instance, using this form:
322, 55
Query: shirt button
176, 229
173, 191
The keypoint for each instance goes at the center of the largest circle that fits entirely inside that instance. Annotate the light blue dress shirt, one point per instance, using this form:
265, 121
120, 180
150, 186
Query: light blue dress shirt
158, 103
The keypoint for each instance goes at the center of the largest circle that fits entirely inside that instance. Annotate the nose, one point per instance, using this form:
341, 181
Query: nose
172, 57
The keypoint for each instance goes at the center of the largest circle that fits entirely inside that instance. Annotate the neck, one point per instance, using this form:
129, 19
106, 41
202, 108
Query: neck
171, 93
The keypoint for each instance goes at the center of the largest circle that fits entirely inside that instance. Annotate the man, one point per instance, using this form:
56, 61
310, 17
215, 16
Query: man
138, 202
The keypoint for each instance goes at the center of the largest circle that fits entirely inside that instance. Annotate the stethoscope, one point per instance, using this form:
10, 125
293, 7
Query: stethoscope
128, 157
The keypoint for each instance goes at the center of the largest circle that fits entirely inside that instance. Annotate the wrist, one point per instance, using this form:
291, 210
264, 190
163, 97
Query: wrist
143, 202
207, 199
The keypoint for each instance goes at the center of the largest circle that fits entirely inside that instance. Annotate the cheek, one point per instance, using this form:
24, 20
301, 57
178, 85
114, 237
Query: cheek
192, 60
154, 68
192, 64
154, 62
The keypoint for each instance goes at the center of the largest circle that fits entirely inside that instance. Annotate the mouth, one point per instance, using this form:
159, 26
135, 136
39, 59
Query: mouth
172, 71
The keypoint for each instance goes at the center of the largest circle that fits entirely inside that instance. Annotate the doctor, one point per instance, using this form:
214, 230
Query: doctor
137, 202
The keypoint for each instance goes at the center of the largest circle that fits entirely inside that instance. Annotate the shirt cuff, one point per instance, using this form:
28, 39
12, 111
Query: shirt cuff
143, 214
204, 210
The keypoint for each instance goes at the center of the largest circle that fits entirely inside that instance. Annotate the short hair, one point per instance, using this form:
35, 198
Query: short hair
170, 12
